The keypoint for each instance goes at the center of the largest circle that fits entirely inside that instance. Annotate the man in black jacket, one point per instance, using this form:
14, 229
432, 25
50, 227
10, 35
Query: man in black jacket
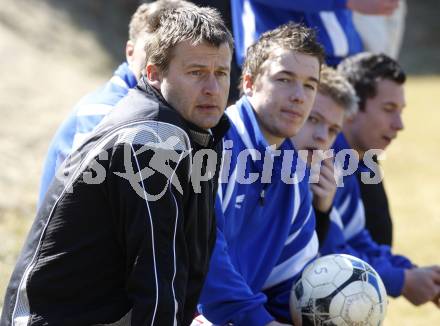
124, 237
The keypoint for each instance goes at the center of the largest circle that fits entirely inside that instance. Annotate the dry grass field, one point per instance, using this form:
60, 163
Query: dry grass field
48, 61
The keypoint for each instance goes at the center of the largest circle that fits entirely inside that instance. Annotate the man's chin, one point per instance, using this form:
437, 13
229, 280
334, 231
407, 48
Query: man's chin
207, 123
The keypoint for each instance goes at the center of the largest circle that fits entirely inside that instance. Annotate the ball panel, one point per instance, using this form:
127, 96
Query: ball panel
341, 290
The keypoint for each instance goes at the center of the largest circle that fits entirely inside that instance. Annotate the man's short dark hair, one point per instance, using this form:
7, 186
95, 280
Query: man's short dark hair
365, 69
289, 36
194, 24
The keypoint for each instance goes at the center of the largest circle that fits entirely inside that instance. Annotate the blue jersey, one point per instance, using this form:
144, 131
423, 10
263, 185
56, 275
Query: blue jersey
86, 115
266, 229
347, 233
330, 18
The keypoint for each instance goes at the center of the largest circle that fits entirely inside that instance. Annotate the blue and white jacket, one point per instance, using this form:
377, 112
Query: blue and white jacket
266, 228
86, 115
332, 20
347, 233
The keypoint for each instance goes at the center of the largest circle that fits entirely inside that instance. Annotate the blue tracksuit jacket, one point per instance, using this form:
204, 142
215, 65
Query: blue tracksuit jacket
266, 229
347, 233
86, 115
331, 19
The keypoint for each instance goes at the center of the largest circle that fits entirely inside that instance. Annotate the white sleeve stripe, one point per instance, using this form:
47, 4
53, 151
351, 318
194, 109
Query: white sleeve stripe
152, 236
343, 208
357, 222
234, 115
336, 218
248, 20
229, 190
336, 33
294, 265
119, 81
297, 199
93, 109
293, 236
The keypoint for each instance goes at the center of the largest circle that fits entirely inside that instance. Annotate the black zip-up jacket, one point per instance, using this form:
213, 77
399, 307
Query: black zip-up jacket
123, 236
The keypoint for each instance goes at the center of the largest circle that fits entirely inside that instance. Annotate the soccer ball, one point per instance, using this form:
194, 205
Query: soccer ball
339, 290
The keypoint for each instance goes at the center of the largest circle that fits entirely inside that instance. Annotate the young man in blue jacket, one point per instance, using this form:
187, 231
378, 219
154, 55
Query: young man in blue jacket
342, 206
331, 18
265, 221
92, 108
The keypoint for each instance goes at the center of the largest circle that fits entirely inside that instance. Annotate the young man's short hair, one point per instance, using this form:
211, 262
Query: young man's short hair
289, 36
194, 24
337, 87
147, 16
365, 69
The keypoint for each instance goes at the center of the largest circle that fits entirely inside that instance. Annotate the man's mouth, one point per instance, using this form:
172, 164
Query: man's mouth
292, 114
207, 107
388, 139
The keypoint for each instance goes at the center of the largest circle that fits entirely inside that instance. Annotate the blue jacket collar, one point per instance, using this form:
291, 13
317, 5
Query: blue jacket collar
124, 72
243, 116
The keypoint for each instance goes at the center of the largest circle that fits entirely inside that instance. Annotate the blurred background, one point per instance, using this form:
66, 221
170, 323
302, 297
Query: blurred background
54, 51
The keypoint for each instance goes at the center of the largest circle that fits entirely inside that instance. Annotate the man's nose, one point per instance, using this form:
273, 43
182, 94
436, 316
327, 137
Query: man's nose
321, 133
298, 93
211, 85
397, 123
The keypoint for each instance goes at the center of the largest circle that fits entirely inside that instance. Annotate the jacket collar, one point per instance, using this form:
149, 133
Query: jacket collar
126, 76
243, 117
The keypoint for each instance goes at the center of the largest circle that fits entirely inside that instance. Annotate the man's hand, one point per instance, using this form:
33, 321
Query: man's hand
324, 191
373, 7
422, 285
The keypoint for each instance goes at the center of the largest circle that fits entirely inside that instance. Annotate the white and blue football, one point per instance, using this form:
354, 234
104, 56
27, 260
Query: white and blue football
339, 290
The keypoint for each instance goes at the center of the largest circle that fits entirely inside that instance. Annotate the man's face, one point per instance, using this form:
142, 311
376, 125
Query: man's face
379, 123
197, 81
283, 93
322, 126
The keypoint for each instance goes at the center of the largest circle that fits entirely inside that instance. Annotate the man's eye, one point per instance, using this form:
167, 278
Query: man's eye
388, 109
195, 73
283, 80
310, 86
221, 73
313, 120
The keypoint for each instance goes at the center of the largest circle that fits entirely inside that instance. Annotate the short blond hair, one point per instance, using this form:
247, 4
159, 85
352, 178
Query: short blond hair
336, 86
146, 18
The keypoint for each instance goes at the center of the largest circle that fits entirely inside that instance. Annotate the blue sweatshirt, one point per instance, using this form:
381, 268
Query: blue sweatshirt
332, 20
86, 115
347, 233
266, 229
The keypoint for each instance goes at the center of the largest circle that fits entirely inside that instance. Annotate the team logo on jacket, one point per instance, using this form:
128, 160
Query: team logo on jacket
239, 200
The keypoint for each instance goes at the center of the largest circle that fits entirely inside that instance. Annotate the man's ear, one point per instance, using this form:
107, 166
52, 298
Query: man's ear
154, 75
349, 119
248, 85
129, 51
